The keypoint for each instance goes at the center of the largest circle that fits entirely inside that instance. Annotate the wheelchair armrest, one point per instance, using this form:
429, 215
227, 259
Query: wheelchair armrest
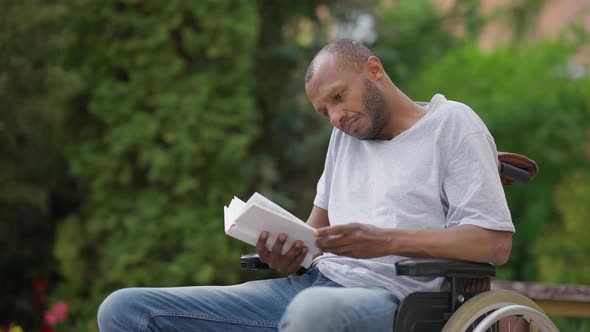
253, 262
432, 267
417, 267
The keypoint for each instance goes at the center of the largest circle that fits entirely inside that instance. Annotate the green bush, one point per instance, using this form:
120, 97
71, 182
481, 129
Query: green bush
157, 138
34, 89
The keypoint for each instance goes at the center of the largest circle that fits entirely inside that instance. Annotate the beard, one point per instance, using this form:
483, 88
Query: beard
376, 108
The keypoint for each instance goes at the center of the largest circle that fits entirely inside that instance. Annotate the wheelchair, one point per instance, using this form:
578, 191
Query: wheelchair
467, 304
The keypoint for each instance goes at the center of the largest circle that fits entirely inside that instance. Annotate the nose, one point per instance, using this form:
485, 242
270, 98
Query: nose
336, 116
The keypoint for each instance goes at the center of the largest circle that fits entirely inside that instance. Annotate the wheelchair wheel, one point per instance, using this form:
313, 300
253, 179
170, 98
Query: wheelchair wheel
501, 310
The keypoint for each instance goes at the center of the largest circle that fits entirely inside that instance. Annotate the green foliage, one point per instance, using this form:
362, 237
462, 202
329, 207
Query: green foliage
288, 157
33, 92
413, 34
571, 324
157, 138
563, 250
33, 89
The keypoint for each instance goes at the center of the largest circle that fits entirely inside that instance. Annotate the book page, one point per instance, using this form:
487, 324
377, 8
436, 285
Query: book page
258, 199
236, 206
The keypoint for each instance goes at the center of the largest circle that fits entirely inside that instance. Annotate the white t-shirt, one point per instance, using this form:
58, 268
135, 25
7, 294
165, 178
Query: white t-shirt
441, 172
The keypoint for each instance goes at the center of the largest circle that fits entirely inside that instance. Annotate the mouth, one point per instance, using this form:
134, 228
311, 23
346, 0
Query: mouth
350, 125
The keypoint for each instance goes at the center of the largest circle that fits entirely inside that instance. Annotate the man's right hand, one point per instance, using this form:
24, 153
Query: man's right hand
287, 263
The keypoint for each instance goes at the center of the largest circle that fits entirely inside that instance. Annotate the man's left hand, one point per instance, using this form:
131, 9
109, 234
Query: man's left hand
355, 240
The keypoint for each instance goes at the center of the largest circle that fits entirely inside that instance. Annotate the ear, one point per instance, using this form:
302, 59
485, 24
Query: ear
374, 68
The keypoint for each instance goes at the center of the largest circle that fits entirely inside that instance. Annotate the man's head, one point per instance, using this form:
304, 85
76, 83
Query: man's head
343, 82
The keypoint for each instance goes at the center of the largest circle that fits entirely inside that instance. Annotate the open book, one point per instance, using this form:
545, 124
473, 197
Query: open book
246, 221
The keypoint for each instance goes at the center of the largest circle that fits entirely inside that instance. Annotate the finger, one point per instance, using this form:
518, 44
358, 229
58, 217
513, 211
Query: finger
261, 249
289, 262
331, 242
277, 248
328, 231
292, 253
276, 251
262, 240
344, 250
296, 262
334, 230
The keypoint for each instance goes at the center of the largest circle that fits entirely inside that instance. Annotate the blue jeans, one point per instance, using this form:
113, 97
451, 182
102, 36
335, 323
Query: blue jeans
310, 302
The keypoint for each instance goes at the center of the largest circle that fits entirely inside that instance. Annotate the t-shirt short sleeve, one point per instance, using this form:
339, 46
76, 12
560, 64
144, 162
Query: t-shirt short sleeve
472, 187
323, 193
322, 197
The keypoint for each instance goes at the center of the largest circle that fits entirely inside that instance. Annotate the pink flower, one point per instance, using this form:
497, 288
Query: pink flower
56, 313
49, 318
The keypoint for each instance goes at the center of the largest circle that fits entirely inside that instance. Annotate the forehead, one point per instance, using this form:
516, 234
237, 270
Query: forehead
329, 72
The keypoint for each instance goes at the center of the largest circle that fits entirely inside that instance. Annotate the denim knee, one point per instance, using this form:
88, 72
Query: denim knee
340, 309
123, 310
315, 309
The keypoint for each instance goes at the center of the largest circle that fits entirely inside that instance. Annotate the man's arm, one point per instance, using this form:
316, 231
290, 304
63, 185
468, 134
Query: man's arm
318, 217
464, 242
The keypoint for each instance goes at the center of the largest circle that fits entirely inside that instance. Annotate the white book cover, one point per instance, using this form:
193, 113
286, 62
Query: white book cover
246, 221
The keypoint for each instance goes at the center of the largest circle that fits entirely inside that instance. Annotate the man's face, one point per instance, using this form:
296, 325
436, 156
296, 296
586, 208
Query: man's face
352, 102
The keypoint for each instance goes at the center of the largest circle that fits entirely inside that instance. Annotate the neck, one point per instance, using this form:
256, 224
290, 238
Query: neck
403, 113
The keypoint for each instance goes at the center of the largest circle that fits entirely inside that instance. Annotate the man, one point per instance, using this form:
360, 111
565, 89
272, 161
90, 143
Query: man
400, 179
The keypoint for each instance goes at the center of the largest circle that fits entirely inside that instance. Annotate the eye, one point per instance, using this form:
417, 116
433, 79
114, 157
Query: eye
339, 96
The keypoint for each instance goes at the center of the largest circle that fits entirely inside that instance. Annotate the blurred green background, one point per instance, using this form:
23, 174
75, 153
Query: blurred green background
126, 125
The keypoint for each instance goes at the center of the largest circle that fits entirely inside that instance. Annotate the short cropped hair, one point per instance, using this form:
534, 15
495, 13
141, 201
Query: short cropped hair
352, 53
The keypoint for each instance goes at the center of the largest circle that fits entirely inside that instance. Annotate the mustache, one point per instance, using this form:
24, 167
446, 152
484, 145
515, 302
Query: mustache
347, 122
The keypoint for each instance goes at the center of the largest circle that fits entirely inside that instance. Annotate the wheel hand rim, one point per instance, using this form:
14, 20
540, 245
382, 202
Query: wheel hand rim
534, 315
